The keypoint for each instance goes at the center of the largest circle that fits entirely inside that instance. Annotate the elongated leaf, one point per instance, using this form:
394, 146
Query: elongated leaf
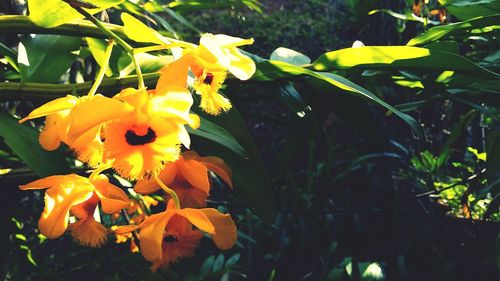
272, 70
138, 31
50, 13
23, 140
250, 180
444, 31
398, 58
98, 49
493, 160
467, 9
9, 55
290, 56
218, 134
44, 58
456, 132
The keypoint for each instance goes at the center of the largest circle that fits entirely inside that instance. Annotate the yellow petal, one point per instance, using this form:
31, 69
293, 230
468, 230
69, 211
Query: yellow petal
89, 232
56, 125
55, 181
241, 66
58, 202
194, 121
93, 111
126, 229
198, 219
195, 173
219, 167
113, 199
173, 104
51, 107
152, 235
174, 75
225, 234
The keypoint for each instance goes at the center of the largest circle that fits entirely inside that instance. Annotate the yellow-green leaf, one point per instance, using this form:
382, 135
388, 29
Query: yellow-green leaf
50, 13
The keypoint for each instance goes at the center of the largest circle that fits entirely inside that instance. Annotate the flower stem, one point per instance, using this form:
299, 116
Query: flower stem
162, 47
99, 170
104, 68
118, 39
169, 191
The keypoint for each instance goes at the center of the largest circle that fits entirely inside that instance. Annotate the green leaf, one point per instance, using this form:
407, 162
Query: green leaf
466, 9
50, 13
98, 49
44, 58
458, 28
455, 134
290, 56
218, 263
23, 140
218, 134
493, 159
9, 55
272, 70
139, 32
398, 58
250, 180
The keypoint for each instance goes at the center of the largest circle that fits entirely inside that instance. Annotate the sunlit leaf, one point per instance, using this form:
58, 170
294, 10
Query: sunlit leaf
23, 140
98, 49
466, 9
445, 31
44, 58
290, 56
138, 31
50, 13
398, 58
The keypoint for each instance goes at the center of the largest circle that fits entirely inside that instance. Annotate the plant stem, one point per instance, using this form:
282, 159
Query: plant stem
104, 68
169, 191
47, 91
118, 40
162, 47
99, 170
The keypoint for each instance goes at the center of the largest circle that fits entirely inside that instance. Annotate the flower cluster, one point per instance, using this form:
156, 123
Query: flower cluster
139, 133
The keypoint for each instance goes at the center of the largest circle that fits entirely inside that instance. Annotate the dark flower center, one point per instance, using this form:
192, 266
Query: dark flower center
170, 239
209, 78
133, 138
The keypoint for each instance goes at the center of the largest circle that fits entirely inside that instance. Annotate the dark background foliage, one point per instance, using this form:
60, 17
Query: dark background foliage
355, 189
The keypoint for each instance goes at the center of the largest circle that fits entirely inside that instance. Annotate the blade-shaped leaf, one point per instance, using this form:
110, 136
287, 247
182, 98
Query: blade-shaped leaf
444, 31
399, 58
50, 13
23, 140
44, 58
250, 180
218, 134
271, 70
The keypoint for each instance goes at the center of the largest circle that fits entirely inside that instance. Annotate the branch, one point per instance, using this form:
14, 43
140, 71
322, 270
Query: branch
44, 91
79, 28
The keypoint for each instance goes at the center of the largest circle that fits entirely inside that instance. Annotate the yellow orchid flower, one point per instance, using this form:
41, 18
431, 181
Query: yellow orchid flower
79, 196
188, 177
143, 141
168, 236
68, 120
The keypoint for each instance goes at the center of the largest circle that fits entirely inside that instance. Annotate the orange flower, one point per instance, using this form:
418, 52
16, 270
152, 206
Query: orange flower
79, 196
169, 236
141, 142
68, 120
188, 177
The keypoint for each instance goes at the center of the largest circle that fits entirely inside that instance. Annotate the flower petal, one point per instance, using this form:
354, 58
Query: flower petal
51, 107
113, 198
225, 229
83, 120
195, 173
219, 167
151, 235
58, 202
174, 74
54, 181
198, 219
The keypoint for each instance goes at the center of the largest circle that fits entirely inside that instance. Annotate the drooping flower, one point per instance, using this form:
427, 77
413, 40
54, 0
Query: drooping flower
143, 141
68, 120
189, 178
168, 236
79, 196
209, 62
